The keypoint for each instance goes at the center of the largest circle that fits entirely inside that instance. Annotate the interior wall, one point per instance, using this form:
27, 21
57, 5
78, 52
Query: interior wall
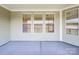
4, 25
18, 35
15, 25
72, 39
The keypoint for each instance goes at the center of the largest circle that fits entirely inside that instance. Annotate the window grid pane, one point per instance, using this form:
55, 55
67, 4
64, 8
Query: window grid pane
49, 27
26, 27
37, 17
26, 18
68, 31
71, 30
74, 31
50, 17
74, 24
72, 14
50, 23
37, 28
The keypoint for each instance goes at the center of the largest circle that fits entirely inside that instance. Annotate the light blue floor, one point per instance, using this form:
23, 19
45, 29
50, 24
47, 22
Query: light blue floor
38, 48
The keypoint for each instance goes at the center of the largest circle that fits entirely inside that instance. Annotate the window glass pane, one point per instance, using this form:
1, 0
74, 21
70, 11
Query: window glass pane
73, 24
68, 31
26, 27
37, 27
37, 17
74, 31
49, 17
73, 13
26, 18
49, 27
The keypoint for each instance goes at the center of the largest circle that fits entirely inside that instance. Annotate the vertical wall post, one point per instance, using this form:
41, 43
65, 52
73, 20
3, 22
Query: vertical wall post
61, 25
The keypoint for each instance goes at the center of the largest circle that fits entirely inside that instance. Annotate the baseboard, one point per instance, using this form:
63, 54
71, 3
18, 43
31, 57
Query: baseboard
34, 40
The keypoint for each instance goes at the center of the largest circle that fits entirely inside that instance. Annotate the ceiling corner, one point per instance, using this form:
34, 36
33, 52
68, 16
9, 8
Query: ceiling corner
5, 7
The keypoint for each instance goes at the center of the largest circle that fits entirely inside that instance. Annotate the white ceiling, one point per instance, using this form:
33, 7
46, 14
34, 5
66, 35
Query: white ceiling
27, 7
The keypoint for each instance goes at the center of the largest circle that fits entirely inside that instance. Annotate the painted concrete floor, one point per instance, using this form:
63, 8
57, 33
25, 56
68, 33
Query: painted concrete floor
38, 48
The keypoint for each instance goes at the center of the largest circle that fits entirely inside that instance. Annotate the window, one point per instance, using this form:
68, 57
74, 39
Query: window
49, 23
38, 23
72, 25
37, 28
26, 23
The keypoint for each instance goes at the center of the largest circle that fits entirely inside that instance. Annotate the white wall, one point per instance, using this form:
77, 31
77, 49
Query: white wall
4, 26
18, 35
15, 25
72, 39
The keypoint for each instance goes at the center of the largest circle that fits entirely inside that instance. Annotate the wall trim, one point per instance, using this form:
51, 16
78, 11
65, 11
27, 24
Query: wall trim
70, 7
41, 9
5, 7
38, 10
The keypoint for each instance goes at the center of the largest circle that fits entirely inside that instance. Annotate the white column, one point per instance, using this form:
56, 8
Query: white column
61, 25
78, 22
32, 25
44, 27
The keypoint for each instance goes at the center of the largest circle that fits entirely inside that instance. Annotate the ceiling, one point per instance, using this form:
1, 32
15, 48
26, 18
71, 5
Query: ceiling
26, 7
